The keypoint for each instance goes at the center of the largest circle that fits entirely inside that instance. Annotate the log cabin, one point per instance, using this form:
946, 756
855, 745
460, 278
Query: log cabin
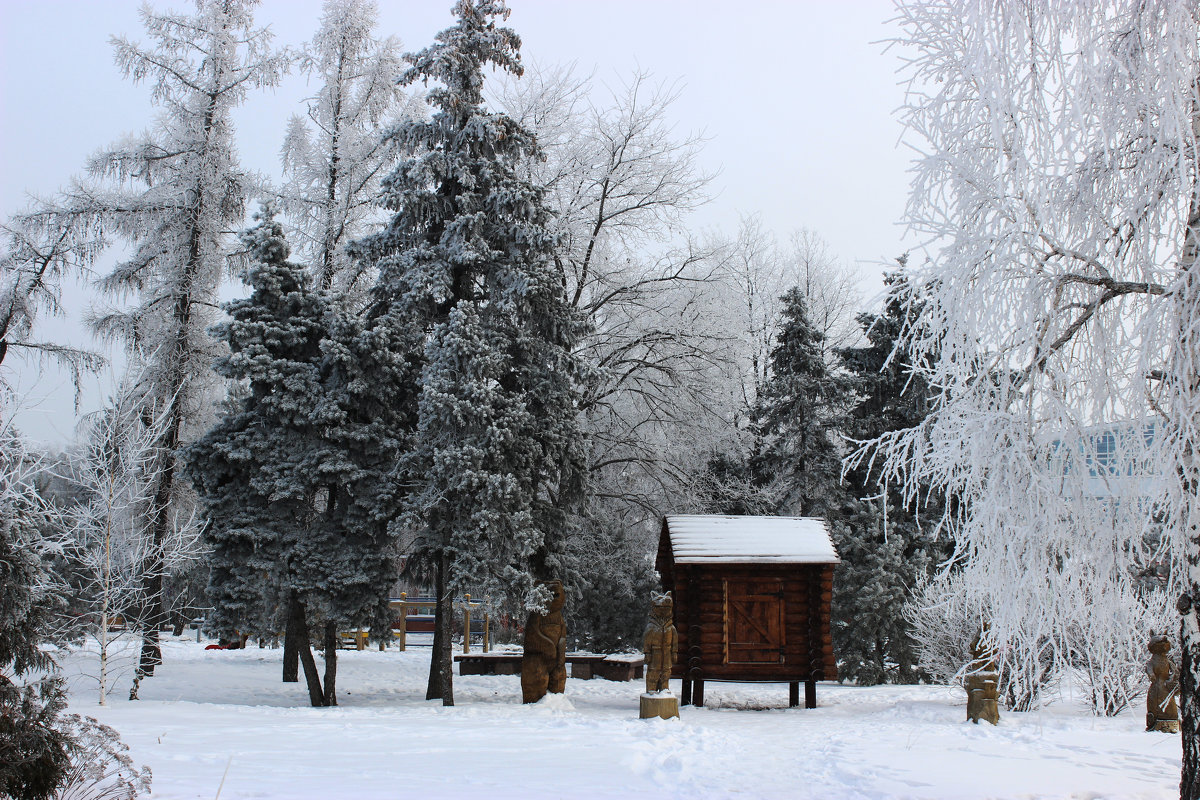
753, 598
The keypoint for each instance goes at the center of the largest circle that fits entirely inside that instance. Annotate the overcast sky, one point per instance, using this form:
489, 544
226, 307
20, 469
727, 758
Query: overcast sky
796, 98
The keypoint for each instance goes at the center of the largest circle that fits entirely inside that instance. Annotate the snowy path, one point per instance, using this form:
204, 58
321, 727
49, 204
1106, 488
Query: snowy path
205, 711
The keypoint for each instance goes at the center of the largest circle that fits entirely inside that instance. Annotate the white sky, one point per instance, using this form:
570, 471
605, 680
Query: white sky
797, 99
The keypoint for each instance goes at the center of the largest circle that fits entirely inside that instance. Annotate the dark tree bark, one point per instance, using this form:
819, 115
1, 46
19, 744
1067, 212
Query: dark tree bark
331, 650
315, 695
1189, 782
291, 640
441, 665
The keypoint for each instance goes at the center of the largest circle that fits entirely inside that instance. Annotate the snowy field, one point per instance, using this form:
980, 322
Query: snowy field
208, 714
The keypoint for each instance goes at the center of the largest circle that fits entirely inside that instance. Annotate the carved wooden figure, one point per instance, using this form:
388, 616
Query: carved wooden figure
983, 681
1162, 712
659, 643
544, 665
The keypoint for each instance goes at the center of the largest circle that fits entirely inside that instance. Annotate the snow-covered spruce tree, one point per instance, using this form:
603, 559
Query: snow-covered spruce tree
278, 483
799, 462
29, 724
253, 469
335, 156
1059, 191
173, 195
892, 549
467, 262
756, 272
796, 470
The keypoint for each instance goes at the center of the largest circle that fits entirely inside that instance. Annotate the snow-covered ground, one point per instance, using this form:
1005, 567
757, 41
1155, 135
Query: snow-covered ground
209, 714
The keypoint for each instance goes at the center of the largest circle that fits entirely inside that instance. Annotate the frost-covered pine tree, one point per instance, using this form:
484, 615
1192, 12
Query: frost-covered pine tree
467, 262
1059, 190
799, 461
172, 196
282, 477
335, 156
253, 470
890, 548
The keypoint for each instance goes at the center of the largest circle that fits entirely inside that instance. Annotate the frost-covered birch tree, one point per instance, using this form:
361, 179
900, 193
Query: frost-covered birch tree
109, 541
622, 183
335, 156
172, 195
1056, 185
44, 752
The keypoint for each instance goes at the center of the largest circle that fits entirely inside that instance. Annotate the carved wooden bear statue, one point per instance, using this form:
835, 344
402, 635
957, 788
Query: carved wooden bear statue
659, 643
1162, 712
544, 665
982, 684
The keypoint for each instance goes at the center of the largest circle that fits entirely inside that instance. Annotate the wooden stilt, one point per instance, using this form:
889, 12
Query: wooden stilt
793, 694
810, 694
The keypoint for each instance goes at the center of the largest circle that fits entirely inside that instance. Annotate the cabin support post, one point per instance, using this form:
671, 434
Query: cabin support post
793, 694
810, 694
693, 669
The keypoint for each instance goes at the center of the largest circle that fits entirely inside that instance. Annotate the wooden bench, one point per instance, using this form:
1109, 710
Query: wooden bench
584, 666
620, 668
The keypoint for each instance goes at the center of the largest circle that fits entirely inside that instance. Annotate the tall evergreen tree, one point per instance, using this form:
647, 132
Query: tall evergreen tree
799, 461
276, 476
886, 548
253, 468
466, 261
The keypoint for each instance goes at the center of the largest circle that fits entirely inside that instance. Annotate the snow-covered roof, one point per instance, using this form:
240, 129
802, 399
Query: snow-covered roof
711, 538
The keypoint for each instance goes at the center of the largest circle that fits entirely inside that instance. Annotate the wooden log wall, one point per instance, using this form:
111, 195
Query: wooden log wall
699, 592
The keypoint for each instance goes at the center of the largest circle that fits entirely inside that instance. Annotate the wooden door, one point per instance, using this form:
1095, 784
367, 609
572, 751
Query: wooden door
754, 632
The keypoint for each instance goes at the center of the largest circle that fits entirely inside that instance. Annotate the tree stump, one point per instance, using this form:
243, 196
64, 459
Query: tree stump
663, 705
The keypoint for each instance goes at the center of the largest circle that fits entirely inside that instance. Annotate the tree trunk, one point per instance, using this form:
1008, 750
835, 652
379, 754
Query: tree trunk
315, 695
1189, 780
441, 665
1189, 520
1186, 406
291, 639
331, 650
